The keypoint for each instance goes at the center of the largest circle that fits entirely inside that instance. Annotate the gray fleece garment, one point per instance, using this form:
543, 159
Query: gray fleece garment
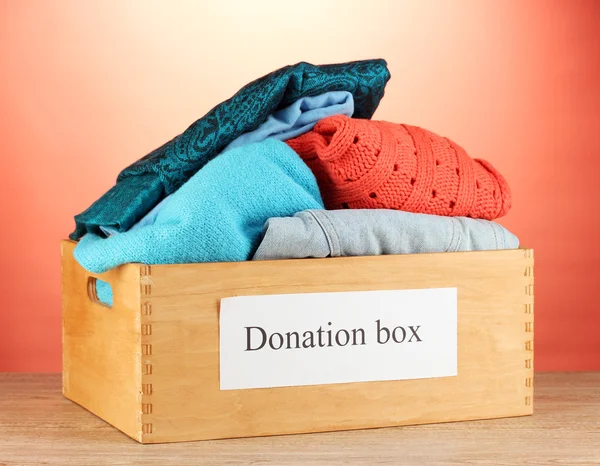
371, 232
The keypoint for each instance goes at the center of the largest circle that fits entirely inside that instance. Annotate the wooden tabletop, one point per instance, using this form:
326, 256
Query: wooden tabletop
38, 427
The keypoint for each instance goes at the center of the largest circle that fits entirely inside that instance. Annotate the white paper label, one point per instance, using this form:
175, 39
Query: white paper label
326, 338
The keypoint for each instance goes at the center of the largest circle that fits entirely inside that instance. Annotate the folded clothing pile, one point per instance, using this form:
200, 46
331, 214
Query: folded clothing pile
292, 166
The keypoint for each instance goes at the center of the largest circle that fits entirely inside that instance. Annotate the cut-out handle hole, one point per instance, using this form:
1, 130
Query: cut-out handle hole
100, 292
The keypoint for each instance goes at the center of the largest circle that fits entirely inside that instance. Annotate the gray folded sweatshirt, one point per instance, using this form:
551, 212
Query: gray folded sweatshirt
371, 232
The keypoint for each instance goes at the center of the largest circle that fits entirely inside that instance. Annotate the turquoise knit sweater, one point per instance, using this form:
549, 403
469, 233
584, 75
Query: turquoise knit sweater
218, 215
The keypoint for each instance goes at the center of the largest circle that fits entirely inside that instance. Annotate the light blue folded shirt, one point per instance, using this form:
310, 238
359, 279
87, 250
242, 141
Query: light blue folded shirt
366, 232
299, 118
284, 124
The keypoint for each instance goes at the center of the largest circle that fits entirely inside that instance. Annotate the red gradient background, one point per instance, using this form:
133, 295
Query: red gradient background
88, 87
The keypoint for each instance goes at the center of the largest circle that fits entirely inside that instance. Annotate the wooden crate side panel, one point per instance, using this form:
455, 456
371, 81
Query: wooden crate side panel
493, 329
101, 346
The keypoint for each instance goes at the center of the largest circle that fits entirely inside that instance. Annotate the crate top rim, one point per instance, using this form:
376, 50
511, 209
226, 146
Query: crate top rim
329, 260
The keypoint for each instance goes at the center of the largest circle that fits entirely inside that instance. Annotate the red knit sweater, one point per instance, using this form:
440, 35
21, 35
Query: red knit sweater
367, 164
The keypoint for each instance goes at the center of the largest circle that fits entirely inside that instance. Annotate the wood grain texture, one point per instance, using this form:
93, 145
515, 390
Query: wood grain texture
175, 343
38, 426
101, 368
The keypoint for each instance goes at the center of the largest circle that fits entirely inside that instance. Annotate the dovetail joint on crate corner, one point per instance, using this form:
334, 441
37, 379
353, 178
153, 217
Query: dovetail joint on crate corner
146, 367
528, 310
145, 280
